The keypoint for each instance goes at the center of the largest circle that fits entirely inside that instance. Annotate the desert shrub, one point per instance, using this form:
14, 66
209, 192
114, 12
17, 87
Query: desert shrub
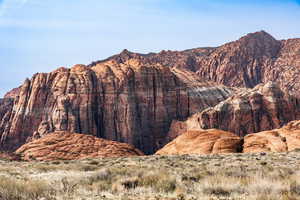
14, 189
159, 183
94, 162
216, 190
295, 188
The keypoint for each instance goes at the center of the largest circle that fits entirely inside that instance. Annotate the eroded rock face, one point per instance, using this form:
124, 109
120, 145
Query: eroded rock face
129, 102
253, 59
14, 93
6, 106
277, 140
265, 107
73, 146
210, 141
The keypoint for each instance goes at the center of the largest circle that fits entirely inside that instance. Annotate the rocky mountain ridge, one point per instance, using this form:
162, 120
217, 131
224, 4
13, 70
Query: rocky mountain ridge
253, 59
146, 100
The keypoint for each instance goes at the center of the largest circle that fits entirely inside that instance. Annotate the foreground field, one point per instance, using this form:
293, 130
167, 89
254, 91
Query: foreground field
235, 176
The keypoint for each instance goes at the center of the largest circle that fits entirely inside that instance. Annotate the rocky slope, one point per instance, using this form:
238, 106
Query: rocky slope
210, 141
130, 102
72, 146
264, 107
213, 141
253, 59
14, 93
139, 98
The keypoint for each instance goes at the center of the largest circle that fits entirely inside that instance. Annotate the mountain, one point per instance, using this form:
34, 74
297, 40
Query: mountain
146, 100
264, 107
253, 59
132, 102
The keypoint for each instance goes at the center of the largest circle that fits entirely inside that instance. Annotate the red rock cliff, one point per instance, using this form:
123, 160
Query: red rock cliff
129, 101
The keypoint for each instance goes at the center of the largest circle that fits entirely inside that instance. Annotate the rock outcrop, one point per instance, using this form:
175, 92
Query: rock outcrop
180, 59
213, 141
264, 107
14, 93
277, 140
130, 101
6, 106
9, 156
255, 58
72, 146
134, 98
210, 141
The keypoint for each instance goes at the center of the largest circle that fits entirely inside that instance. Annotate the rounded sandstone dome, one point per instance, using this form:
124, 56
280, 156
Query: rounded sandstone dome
72, 146
210, 141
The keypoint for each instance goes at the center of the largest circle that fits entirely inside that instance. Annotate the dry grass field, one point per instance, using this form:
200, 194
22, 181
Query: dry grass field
272, 176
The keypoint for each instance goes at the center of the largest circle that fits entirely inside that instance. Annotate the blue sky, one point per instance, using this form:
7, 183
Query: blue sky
42, 35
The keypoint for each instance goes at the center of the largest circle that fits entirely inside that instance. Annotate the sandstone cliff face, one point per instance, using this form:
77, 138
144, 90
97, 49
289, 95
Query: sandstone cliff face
241, 63
254, 59
264, 107
134, 98
210, 141
187, 59
130, 102
6, 106
14, 93
73, 146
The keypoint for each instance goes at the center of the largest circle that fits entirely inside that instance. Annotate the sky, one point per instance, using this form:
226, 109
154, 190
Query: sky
42, 35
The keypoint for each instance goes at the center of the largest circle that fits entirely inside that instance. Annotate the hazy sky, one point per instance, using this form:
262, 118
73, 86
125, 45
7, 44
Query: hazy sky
42, 35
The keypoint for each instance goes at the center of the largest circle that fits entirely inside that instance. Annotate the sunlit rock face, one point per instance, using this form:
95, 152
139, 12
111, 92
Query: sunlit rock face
149, 99
210, 141
264, 107
64, 145
131, 102
284, 139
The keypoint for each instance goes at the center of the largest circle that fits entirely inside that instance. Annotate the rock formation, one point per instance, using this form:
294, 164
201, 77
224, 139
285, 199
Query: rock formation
9, 156
277, 140
253, 59
72, 146
6, 106
210, 141
214, 141
14, 93
144, 99
130, 102
264, 107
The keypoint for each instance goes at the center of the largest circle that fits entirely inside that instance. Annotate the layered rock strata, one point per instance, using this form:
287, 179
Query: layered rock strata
129, 102
73, 146
264, 107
